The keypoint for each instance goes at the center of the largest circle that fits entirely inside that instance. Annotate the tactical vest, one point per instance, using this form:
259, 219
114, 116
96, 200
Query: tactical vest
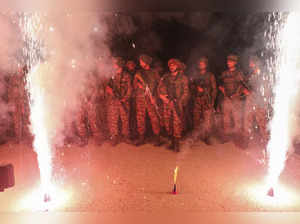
119, 84
150, 78
203, 81
174, 85
231, 82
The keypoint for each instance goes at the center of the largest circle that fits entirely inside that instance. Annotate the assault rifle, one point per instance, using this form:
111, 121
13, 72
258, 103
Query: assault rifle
149, 94
117, 93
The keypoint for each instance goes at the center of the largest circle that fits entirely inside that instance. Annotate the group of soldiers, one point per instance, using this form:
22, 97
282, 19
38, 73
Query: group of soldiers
120, 108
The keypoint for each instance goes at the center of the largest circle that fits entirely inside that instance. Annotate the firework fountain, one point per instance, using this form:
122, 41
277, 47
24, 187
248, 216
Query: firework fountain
287, 72
47, 196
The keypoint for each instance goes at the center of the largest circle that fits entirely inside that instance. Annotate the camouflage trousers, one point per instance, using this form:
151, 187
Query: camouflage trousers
142, 107
232, 110
202, 117
88, 116
254, 113
173, 120
117, 111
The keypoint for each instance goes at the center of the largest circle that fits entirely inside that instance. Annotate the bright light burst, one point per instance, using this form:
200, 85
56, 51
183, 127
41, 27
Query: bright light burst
287, 75
35, 200
284, 197
32, 28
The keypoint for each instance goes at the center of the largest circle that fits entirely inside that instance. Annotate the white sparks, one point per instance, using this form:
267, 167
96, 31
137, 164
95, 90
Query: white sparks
287, 83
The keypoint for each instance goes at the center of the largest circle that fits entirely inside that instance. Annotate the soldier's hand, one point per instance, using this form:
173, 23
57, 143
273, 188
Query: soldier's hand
221, 88
109, 90
246, 92
140, 86
200, 89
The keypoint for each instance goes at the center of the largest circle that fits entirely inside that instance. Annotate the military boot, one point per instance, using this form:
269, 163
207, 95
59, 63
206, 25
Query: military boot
140, 141
176, 145
157, 141
114, 140
172, 145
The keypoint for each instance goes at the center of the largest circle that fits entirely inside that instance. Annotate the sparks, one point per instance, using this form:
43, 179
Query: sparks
287, 80
32, 27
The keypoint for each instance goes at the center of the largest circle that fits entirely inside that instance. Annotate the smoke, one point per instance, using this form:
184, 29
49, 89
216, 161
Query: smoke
10, 45
68, 53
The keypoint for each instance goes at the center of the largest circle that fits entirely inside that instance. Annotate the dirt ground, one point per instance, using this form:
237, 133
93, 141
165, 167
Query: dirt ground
126, 178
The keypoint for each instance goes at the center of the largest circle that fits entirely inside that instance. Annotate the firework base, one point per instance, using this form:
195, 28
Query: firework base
271, 192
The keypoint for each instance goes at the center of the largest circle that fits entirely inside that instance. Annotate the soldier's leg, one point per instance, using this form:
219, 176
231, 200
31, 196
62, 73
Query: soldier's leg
153, 118
125, 119
197, 115
81, 126
262, 122
178, 129
155, 122
140, 115
113, 118
92, 116
227, 110
237, 116
207, 123
102, 115
248, 121
167, 119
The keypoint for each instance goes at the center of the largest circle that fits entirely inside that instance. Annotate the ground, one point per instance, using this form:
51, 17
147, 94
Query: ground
126, 178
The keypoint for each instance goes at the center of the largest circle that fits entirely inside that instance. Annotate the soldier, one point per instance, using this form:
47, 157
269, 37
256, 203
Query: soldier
131, 67
232, 87
89, 114
256, 105
204, 92
145, 84
118, 93
18, 97
173, 90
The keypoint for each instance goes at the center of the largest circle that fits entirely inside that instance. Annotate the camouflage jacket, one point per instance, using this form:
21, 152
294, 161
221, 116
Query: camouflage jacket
120, 84
17, 88
174, 87
207, 82
259, 89
146, 78
233, 83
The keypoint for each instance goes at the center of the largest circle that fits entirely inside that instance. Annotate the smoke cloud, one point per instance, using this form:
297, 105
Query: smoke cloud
69, 54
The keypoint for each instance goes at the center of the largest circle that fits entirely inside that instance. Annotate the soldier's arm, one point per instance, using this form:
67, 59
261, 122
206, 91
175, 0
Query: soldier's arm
244, 88
108, 89
214, 88
186, 92
129, 87
162, 91
221, 86
138, 82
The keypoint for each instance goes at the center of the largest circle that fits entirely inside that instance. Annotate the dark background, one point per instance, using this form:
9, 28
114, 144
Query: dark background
189, 35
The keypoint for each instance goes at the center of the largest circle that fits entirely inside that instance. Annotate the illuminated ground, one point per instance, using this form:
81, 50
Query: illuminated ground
139, 179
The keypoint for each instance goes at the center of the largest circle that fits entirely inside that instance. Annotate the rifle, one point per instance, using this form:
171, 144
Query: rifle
171, 96
117, 93
149, 94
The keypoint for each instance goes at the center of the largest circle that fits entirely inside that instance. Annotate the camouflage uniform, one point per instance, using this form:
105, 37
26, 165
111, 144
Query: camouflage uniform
148, 79
256, 105
131, 69
203, 102
17, 95
89, 114
176, 89
118, 103
232, 103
